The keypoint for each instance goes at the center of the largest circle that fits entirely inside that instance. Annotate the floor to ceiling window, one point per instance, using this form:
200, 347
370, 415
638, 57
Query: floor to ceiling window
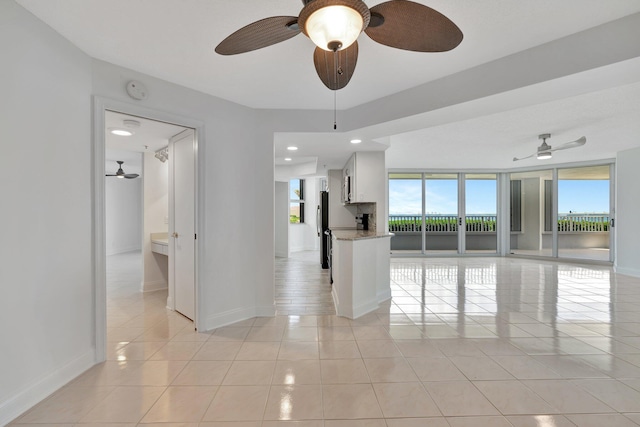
567, 216
555, 212
583, 212
481, 206
425, 213
441, 213
406, 212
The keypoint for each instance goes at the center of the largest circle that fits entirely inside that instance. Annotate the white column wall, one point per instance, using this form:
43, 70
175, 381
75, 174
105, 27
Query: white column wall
627, 208
46, 309
531, 237
281, 226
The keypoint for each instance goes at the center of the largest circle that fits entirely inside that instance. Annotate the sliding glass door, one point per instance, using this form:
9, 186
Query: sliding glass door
441, 213
425, 213
562, 212
556, 212
406, 212
481, 206
583, 212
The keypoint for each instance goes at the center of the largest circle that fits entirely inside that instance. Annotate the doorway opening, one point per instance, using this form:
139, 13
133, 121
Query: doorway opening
137, 225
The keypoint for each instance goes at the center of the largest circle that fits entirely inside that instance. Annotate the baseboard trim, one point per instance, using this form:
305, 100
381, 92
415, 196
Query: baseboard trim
336, 301
633, 272
265, 311
154, 285
36, 392
365, 308
384, 295
232, 316
123, 250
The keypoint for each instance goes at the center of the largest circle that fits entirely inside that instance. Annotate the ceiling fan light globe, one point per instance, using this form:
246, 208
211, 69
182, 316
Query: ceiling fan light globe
121, 132
544, 155
332, 26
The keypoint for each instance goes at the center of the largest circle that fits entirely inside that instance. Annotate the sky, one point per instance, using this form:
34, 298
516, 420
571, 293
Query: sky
583, 196
405, 196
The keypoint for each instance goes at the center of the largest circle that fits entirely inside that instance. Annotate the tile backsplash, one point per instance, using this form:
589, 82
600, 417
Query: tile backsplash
368, 208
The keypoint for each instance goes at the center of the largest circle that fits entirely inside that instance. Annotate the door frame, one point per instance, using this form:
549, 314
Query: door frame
100, 106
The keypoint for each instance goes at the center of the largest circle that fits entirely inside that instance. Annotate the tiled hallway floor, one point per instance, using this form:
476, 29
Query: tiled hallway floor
465, 342
302, 286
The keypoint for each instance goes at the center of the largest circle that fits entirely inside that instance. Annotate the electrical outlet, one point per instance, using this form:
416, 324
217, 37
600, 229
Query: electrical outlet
166, 220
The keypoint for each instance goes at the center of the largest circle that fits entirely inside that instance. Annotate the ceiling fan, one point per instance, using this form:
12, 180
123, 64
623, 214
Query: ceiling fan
334, 26
120, 173
545, 150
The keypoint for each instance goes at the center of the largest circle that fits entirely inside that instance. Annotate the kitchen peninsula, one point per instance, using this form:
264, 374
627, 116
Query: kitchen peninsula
360, 268
360, 263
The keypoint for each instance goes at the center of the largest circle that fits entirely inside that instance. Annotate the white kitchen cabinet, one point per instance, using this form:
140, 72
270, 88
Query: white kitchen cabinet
364, 177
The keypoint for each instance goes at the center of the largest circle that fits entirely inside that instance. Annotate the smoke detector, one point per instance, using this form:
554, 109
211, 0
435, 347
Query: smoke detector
131, 124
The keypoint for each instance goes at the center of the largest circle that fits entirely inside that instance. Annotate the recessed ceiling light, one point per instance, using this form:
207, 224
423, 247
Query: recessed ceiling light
356, 141
292, 148
287, 159
121, 132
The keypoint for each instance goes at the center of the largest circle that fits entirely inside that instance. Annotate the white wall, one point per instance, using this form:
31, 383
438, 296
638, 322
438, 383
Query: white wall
627, 208
281, 200
156, 214
46, 309
236, 186
123, 214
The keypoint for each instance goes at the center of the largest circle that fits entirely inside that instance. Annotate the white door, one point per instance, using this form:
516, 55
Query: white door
182, 222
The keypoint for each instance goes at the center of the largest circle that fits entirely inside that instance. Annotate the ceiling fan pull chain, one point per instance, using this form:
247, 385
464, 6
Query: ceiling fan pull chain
335, 122
335, 92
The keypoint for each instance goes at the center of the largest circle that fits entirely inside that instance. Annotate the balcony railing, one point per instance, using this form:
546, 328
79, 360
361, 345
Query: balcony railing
583, 222
487, 223
441, 223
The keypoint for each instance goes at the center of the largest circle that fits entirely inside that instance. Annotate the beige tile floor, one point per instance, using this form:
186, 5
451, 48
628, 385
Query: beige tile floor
464, 342
302, 286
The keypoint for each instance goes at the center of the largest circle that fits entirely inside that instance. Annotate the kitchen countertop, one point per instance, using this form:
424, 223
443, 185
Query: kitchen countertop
353, 234
160, 238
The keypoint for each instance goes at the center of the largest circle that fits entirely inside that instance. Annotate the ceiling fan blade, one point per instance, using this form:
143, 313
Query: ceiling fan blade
336, 77
573, 144
515, 159
259, 34
110, 174
412, 26
131, 175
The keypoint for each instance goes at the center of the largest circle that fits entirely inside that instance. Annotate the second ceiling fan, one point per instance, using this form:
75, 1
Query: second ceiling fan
120, 173
334, 26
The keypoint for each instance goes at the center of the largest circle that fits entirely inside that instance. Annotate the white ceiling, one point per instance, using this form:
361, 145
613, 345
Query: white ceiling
609, 119
158, 38
149, 137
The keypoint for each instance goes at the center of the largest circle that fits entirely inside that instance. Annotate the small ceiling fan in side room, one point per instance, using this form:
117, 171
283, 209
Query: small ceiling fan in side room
120, 173
334, 25
545, 150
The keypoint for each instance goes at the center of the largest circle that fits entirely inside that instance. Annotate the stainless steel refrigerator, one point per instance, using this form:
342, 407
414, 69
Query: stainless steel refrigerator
323, 230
